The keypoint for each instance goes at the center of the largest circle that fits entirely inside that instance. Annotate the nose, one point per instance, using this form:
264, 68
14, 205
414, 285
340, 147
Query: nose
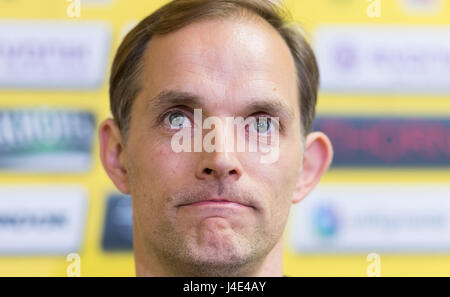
222, 162
219, 165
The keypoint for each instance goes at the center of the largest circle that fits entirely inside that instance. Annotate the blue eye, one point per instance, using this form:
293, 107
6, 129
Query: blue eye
177, 120
262, 125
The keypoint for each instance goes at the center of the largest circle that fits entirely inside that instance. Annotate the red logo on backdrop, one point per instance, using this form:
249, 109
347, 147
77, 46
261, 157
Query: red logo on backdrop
387, 141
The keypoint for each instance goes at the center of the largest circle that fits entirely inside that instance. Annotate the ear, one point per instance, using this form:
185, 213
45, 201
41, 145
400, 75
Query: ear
112, 155
316, 160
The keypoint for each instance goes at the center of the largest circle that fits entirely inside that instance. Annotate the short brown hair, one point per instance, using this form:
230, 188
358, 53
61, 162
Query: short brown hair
127, 65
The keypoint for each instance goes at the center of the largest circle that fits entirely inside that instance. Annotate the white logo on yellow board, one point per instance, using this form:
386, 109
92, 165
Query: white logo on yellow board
374, 268
74, 8
374, 9
74, 268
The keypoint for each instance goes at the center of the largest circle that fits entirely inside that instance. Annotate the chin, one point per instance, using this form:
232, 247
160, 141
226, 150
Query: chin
219, 254
224, 265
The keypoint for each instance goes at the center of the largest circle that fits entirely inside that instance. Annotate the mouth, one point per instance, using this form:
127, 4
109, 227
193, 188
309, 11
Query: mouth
216, 203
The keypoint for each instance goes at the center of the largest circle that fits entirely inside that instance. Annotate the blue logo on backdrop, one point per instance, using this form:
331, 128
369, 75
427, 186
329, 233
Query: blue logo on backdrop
118, 230
326, 221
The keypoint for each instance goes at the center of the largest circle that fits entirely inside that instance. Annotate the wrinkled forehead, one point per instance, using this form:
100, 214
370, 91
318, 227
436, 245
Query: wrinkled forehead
223, 59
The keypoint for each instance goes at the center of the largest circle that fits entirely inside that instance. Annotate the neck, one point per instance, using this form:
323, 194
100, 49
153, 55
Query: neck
149, 264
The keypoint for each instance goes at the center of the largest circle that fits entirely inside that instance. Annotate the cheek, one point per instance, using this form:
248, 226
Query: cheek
274, 186
281, 178
289, 166
156, 173
278, 177
162, 168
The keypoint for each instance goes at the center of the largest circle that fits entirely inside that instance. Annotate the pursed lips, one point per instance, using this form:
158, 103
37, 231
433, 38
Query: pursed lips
216, 202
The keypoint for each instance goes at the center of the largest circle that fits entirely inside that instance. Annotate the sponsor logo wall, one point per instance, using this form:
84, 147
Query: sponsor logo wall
388, 142
55, 198
382, 58
46, 140
36, 220
422, 7
118, 225
394, 218
53, 54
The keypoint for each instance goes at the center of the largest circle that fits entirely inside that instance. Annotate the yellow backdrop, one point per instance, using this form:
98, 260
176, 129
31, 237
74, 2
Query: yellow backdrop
121, 13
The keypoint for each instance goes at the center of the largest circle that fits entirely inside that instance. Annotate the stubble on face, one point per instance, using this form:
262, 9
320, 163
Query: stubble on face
230, 242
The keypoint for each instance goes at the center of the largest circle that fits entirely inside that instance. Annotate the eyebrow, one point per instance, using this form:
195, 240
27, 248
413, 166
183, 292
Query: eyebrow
170, 98
167, 99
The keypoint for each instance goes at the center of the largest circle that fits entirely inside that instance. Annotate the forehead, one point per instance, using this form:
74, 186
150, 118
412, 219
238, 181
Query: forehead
223, 60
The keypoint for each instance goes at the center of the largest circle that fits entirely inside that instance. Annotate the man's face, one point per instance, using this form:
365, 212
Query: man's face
234, 68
